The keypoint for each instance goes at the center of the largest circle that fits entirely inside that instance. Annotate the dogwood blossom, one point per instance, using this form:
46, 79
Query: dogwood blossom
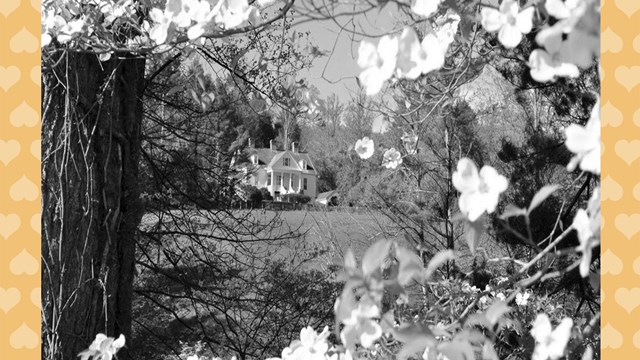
360, 326
509, 21
233, 13
584, 141
479, 192
425, 7
522, 299
411, 55
51, 24
587, 225
103, 348
392, 158
550, 344
311, 346
162, 24
364, 147
446, 27
378, 62
582, 226
575, 37
546, 67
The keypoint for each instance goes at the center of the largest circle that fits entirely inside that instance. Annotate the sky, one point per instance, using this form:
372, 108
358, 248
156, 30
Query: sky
336, 73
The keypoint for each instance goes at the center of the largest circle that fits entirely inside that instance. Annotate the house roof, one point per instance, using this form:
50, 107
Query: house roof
327, 195
269, 158
265, 155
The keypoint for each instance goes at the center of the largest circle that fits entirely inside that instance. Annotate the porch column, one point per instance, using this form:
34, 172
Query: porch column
273, 185
300, 183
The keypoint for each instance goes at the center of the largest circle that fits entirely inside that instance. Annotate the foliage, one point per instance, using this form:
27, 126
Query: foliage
296, 198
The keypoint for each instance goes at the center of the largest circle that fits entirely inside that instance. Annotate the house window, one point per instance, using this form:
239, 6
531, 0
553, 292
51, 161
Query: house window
285, 161
268, 180
304, 183
279, 180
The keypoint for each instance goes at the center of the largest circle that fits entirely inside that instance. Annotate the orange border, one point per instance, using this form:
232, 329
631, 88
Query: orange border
20, 174
620, 115
19, 179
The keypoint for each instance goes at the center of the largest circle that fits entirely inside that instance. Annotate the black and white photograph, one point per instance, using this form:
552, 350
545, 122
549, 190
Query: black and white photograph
320, 180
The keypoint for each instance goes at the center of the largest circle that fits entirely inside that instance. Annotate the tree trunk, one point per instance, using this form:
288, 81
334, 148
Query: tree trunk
91, 117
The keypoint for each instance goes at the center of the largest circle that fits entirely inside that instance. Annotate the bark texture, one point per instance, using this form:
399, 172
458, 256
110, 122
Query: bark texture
91, 117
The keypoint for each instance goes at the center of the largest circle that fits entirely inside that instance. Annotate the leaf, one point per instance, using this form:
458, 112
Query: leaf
457, 350
541, 196
437, 260
350, 261
410, 265
415, 338
174, 90
511, 211
104, 57
194, 95
473, 230
374, 256
477, 319
496, 310
387, 322
488, 352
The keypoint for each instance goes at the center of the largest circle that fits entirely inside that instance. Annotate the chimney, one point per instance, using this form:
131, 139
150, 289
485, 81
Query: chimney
293, 147
271, 144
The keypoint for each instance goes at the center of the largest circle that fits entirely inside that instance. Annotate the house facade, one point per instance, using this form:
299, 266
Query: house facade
281, 172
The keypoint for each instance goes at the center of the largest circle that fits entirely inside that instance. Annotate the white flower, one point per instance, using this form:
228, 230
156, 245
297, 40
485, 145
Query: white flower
233, 13
545, 67
501, 296
479, 193
359, 326
162, 22
522, 299
582, 225
411, 56
584, 141
508, 21
378, 63
410, 142
392, 158
425, 7
550, 344
587, 225
71, 30
103, 347
364, 147
311, 346
575, 37
446, 27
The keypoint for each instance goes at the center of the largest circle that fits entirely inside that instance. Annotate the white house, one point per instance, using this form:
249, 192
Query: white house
281, 172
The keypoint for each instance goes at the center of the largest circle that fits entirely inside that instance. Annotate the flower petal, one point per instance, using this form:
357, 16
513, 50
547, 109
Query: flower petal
466, 178
492, 19
509, 36
541, 327
524, 20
